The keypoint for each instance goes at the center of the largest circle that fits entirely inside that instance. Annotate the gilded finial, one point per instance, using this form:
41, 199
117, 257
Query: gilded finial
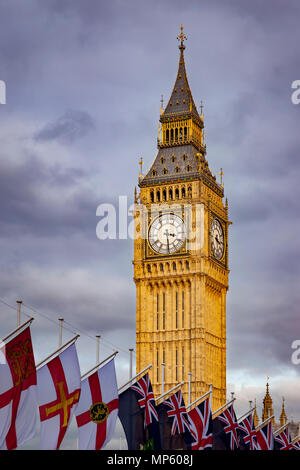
141, 163
201, 109
221, 173
181, 37
162, 104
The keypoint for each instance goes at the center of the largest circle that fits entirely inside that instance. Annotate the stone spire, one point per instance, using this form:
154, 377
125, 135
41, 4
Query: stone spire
283, 417
267, 405
181, 102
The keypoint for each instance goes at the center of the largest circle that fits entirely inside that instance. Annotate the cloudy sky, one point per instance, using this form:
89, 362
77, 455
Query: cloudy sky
84, 81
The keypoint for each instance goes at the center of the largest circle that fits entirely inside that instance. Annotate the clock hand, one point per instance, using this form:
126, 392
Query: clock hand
167, 235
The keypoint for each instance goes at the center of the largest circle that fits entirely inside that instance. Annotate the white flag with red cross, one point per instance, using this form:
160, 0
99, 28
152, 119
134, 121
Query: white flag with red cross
18, 399
97, 410
58, 386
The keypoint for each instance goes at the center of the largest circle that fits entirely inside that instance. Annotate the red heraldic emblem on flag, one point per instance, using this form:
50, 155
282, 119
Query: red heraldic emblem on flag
18, 399
201, 425
58, 385
97, 410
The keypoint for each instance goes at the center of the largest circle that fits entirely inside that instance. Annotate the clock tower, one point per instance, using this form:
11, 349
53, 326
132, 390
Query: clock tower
181, 255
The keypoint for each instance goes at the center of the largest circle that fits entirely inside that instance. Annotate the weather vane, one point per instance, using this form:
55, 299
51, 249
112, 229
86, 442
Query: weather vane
181, 37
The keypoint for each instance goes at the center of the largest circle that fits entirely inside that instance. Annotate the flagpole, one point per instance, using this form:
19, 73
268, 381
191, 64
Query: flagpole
129, 381
264, 423
99, 364
224, 406
72, 340
162, 377
198, 399
245, 414
130, 365
278, 431
189, 390
296, 439
61, 320
98, 349
19, 302
17, 329
169, 391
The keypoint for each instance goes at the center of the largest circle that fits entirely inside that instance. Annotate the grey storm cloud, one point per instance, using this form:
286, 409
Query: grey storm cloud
73, 125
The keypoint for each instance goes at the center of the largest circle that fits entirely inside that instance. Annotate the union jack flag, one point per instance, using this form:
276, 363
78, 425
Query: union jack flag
147, 401
230, 426
265, 437
283, 441
177, 411
201, 426
247, 432
296, 445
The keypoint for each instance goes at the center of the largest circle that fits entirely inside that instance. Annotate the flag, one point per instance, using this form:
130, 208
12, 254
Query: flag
97, 410
174, 423
138, 415
18, 399
282, 441
265, 437
58, 386
296, 445
225, 434
201, 426
247, 433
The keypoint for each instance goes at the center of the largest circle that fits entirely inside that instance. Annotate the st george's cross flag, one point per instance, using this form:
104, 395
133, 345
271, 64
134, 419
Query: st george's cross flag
18, 398
97, 410
283, 441
247, 433
58, 386
225, 430
201, 426
265, 437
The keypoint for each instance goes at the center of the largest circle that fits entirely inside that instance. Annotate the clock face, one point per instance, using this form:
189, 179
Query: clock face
217, 239
167, 234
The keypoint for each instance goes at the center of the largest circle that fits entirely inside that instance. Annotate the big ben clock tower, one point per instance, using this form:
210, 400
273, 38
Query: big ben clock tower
181, 255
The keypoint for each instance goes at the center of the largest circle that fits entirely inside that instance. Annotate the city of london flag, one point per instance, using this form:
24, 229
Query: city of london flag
97, 410
18, 399
58, 386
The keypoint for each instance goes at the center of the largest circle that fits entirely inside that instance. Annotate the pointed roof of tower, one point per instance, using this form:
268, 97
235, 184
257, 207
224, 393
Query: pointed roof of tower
268, 404
283, 416
181, 101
